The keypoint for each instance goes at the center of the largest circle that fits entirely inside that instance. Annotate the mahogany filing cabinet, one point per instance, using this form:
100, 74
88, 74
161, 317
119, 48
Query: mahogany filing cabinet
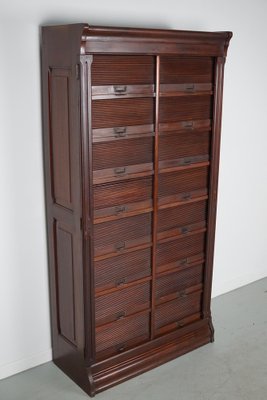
131, 123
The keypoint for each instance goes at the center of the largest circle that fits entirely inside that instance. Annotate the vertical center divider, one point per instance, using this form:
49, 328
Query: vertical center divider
155, 199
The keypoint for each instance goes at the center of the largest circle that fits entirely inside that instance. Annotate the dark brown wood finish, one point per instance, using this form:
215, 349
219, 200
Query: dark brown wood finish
131, 122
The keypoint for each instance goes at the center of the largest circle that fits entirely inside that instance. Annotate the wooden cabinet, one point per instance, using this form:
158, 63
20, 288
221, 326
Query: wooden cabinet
131, 121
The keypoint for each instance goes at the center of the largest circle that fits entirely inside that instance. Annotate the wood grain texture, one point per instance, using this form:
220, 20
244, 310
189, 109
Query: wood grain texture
131, 121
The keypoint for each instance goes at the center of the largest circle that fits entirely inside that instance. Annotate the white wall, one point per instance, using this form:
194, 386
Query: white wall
241, 249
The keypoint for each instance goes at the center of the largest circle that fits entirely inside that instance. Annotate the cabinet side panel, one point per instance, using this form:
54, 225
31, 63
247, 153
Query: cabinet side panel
60, 136
65, 282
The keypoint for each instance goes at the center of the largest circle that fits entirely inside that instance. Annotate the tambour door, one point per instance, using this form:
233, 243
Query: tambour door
123, 131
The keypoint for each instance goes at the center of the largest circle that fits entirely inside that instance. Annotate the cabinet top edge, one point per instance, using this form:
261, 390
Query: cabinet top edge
92, 38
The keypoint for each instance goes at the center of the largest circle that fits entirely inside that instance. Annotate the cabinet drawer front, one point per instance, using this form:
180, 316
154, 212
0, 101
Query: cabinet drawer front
180, 220
173, 109
180, 69
123, 269
170, 252
183, 185
122, 153
176, 310
122, 112
122, 197
121, 335
122, 303
122, 70
183, 148
179, 284
115, 236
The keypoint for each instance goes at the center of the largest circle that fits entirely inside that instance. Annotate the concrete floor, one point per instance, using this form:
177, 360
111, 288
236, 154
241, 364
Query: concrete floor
234, 367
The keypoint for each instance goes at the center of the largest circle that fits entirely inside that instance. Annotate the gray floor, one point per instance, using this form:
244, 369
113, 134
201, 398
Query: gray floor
234, 367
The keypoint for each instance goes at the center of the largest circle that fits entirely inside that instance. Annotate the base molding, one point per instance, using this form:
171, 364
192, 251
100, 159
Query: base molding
120, 368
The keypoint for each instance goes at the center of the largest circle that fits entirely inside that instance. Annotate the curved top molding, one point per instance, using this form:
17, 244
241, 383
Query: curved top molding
96, 39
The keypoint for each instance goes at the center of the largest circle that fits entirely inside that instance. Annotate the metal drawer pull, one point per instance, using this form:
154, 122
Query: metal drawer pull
119, 209
180, 324
184, 230
120, 171
120, 315
120, 89
189, 125
120, 246
182, 294
183, 262
121, 348
120, 282
186, 161
120, 132
186, 196
190, 87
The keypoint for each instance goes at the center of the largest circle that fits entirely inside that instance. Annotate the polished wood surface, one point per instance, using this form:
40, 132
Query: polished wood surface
131, 122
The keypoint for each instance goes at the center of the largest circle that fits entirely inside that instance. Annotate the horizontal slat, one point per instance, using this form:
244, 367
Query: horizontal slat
122, 133
121, 335
185, 126
122, 69
176, 185
188, 147
122, 173
183, 69
122, 303
185, 89
122, 112
124, 153
181, 248
185, 108
125, 91
124, 233
182, 216
120, 193
179, 284
176, 310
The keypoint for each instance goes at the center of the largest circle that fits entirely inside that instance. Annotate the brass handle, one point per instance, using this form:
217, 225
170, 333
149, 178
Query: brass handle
186, 161
120, 131
182, 294
121, 348
186, 196
184, 230
180, 324
183, 262
120, 89
119, 209
120, 282
190, 87
120, 315
188, 124
120, 246
120, 171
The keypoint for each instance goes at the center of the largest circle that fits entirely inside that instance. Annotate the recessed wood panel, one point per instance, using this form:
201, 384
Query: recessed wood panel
60, 137
181, 69
123, 70
185, 108
65, 281
122, 112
